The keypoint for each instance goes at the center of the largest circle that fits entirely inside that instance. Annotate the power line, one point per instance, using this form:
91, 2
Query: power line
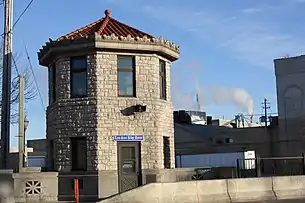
15, 65
23, 12
20, 16
36, 83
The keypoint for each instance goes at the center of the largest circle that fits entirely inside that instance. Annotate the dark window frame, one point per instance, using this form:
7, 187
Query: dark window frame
166, 153
162, 79
78, 70
127, 70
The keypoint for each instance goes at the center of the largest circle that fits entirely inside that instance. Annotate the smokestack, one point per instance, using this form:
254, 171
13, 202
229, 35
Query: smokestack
198, 101
209, 120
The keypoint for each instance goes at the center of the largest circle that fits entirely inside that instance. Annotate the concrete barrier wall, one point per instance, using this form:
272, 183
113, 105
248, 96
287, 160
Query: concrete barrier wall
221, 191
6, 186
250, 189
185, 174
35, 186
287, 187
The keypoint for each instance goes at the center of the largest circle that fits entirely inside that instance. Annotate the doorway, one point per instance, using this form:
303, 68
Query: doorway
51, 157
79, 153
129, 165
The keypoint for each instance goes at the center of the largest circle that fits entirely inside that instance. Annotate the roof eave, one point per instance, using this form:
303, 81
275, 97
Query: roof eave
159, 46
162, 49
65, 45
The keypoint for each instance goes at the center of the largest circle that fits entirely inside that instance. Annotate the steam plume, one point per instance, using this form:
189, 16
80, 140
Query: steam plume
185, 98
236, 96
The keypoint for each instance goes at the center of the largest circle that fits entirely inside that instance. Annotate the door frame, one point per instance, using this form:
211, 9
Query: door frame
137, 145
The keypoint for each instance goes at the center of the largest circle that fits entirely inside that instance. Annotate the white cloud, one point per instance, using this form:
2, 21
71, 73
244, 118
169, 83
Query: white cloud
251, 39
251, 10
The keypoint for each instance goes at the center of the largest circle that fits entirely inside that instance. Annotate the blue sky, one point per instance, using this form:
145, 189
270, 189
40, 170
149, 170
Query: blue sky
226, 48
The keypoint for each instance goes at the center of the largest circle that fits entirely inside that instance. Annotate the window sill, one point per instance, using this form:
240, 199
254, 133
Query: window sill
127, 96
78, 97
165, 101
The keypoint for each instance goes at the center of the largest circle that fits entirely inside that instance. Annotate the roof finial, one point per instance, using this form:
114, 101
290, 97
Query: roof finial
107, 12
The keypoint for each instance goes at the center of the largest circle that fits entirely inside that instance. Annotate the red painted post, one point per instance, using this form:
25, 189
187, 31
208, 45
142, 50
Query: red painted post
76, 190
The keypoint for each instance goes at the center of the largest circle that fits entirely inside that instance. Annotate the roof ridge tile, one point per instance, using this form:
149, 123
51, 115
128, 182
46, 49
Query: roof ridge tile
106, 26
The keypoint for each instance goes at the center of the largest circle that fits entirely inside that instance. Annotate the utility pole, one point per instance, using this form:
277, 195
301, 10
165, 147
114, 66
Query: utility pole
21, 137
265, 107
6, 84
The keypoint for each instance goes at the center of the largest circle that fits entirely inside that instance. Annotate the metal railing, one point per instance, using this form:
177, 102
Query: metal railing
271, 166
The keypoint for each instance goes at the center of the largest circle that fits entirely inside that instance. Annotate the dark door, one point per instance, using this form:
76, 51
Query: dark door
129, 165
51, 155
79, 153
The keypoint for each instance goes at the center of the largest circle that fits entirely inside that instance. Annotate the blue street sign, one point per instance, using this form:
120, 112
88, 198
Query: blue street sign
128, 138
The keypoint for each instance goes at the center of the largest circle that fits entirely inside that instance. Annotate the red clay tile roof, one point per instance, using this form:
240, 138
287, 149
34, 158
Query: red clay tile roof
106, 26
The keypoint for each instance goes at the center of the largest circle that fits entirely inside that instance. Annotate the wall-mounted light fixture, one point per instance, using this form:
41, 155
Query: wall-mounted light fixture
139, 108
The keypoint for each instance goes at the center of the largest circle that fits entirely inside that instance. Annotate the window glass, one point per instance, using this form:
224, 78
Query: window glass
52, 81
166, 152
162, 66
125, 82
51, 99
128, 153
125, 62
128, 166
79, 81
128, 159
162, 79
78, 63
161, 88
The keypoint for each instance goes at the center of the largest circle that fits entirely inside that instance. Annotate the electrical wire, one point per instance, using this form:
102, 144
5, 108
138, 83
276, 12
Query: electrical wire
36, 83
15, 65
21, 15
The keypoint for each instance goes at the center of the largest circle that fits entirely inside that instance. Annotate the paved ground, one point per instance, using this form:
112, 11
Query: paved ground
283, 201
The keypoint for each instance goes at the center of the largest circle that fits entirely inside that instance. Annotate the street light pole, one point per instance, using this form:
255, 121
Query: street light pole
21, 124
26, 124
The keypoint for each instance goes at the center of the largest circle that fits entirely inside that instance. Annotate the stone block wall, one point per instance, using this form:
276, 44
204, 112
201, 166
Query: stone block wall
99, 117
71, 118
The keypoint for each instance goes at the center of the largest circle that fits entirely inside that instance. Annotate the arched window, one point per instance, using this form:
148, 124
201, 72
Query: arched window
293, 101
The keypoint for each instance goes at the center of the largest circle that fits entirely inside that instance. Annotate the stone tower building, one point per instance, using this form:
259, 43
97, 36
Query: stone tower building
110, 111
